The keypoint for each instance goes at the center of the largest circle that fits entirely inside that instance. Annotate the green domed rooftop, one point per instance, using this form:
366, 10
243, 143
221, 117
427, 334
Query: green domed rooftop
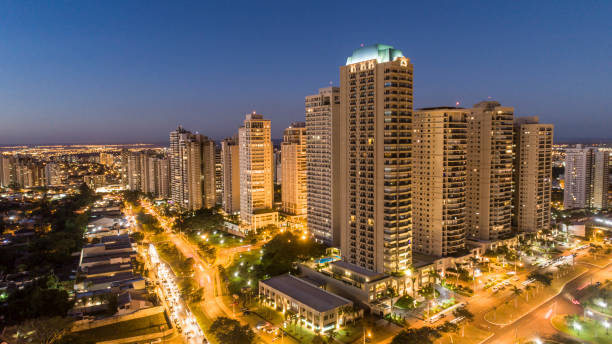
380, 52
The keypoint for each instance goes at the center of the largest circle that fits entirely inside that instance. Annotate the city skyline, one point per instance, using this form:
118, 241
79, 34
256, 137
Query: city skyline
71, 73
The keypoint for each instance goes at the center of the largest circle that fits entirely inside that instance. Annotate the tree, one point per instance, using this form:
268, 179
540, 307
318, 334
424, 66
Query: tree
40, 330
516, 292
527, 289
208, 252
112, 305
449, 328
466, 314
318, 340
138, 236
543, 279
423, 335
228, 330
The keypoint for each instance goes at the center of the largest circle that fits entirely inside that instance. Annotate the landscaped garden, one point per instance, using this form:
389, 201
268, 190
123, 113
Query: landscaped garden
585, 329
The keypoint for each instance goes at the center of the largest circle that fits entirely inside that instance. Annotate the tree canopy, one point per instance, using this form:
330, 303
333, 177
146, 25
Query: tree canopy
423, 335
229, 331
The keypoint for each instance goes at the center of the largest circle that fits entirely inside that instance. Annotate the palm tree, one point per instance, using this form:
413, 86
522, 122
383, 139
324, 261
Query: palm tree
527, 288
516, 292
435, 275
474, 261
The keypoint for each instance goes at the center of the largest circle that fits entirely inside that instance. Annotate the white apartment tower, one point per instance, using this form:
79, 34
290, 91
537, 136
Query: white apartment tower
586, 178
323, 163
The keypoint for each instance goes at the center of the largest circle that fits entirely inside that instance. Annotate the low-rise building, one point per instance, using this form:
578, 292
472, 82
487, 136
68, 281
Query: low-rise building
316, 308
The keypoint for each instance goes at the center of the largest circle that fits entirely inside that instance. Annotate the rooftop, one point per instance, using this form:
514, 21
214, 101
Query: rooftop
98, 269
105, 257
356, 269
440, 108
306, 293
380, 52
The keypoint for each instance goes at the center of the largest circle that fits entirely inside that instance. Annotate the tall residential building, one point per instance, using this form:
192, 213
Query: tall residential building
600, 179
293, 150
230, 156
53, 174
277, 167
586, 178
149, 173
256, 185
162, 177
218, 175
375, 159
6, 166
192, 170
439, 152
532, 174
124, 159
323, 162
578, 162
489, 171
134, 171
107, 159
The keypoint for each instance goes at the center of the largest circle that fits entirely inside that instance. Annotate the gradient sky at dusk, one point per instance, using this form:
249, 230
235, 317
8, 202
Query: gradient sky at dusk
131, 71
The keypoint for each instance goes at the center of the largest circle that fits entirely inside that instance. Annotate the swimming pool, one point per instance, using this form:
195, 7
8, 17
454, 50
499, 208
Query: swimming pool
327, 259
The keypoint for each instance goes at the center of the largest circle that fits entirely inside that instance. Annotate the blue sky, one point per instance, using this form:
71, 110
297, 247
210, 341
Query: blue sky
131, 71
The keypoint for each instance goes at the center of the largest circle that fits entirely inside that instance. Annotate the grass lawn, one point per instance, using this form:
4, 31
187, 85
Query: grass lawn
591, 331
218, 239
350, 333
599, 299
242, 270
472, 335
124, 329
506, 312
405, 302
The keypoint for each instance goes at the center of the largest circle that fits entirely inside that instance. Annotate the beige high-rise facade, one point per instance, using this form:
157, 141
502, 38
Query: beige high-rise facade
601, 179
192, 169
256, 176
134, 171
532, 175
293, 188
323, 163
375, 148
230, 156
439, 152
489, 171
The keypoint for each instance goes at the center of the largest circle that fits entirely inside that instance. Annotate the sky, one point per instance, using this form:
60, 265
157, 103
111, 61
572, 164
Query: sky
131, 71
